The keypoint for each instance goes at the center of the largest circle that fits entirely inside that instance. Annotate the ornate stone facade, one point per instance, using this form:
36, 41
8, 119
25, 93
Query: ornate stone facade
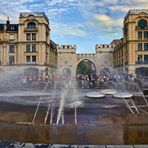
132, 51
69, 59
28, 44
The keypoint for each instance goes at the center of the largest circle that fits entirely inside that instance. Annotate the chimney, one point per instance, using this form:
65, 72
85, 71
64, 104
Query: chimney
7, 22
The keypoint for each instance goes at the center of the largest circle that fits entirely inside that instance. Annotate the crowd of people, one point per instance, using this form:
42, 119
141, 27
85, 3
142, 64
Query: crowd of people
83, 81
90, 81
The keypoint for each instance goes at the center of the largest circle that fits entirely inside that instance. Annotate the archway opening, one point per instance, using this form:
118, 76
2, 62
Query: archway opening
86, 74
105, 72
31, 75
86, 67
31, 71
31, 25
66, 73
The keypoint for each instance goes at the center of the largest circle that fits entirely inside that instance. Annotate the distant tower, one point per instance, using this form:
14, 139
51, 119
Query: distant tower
7, 22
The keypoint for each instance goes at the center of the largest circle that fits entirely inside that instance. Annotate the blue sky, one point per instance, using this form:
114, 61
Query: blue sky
83, 23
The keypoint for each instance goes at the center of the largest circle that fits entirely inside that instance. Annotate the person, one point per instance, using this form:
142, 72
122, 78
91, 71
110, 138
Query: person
24, 80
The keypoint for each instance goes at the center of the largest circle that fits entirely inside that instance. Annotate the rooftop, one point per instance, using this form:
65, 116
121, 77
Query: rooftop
136, 11
40, 14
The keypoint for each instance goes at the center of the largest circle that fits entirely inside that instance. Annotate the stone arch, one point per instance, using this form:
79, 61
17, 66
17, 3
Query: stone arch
94, 64
31, 71
105, 71
65, 72
142, 23
139, 18
28, 20
31, 25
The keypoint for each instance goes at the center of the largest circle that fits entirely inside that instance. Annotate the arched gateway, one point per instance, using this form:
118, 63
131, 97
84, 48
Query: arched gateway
68, 58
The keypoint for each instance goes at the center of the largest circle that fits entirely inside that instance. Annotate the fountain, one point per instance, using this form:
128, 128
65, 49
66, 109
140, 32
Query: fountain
108, 91
79, 114
94, 94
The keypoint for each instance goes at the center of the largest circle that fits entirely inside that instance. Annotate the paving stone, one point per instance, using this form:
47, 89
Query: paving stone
140, 146
97, 146
119, 146
90, 146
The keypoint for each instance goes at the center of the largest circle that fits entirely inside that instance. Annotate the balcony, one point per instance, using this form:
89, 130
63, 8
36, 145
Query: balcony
31, 63
141, 62
31, 29
29, 52
139, 28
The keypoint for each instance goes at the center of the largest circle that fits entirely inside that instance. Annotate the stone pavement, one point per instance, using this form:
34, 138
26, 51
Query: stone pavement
98, 146
13, 144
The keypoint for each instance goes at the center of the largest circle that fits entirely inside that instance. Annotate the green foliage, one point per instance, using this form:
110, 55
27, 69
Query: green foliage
82, 68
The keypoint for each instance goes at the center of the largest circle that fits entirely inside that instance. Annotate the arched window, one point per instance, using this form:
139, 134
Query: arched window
142, 23
31, 25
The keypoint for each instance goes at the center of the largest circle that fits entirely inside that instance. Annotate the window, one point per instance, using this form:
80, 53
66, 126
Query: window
11, 37
1, 27
31, 25
146, 59
145, 46
139, 35
12, 28
28, 36
27, 47
11, 60
11, 48
34, 59
139, 59
142, 24
33, 47
139, 46
33, 36
27, 58
146, 34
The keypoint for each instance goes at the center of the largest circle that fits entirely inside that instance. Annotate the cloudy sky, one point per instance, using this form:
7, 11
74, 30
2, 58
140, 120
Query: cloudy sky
83, 23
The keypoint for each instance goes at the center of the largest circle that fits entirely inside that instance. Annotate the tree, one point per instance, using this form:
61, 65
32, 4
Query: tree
82, 68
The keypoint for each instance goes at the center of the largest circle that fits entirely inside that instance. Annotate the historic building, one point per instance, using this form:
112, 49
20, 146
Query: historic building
27, 45
131, 53
68, 59
104, 57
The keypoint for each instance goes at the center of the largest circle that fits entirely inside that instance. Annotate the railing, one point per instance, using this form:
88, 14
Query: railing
141, 62
139, 28
30, 51
31, 29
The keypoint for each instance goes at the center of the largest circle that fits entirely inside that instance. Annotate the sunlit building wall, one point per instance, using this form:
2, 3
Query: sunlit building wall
28, 43
132, 51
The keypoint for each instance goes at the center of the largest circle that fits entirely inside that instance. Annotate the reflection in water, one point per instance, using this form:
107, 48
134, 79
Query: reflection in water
70, 134
100, 121
136, 134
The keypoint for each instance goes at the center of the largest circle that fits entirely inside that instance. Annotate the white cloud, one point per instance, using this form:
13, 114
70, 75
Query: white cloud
12, 9
68, 30
125, 6
106, 24
98, 14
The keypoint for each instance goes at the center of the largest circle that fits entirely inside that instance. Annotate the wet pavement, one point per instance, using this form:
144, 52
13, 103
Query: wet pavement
11, 144
100, 121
